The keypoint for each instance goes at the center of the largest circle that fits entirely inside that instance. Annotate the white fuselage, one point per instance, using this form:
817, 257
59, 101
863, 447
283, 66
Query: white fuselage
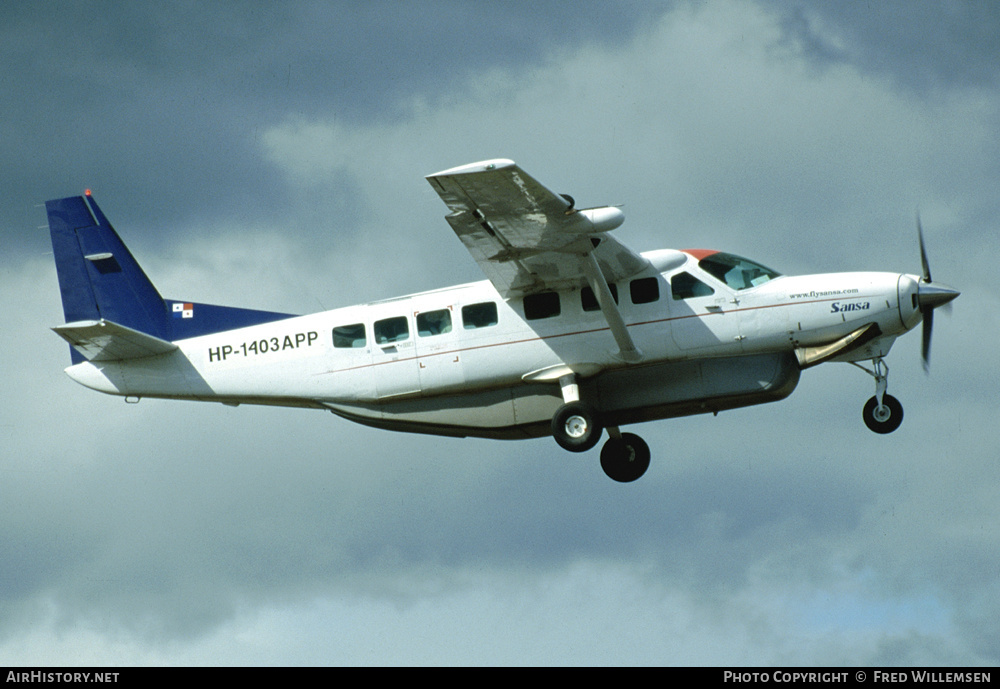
448, 368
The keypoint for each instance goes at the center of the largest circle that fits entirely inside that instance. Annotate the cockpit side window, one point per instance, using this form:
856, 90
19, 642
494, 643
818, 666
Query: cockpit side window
737, 272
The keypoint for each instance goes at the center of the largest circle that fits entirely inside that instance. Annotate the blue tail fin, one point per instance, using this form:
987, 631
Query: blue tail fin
99, 279
98, 276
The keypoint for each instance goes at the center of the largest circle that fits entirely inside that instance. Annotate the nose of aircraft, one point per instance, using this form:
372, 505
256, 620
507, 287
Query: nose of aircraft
931, 295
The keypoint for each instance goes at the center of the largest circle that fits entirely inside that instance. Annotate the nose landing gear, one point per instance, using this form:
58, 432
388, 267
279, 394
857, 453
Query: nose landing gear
884, 418
882, 413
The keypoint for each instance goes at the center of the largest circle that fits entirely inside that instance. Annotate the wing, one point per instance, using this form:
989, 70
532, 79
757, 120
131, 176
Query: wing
527, 238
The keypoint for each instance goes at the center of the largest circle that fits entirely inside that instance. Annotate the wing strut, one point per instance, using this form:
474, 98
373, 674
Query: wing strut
627, 350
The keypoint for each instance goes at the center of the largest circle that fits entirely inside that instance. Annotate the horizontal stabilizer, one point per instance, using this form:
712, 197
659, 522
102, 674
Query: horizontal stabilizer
105, 340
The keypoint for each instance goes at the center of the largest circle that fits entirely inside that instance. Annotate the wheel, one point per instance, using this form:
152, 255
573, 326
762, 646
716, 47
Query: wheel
626, 458
575, 427
886, 419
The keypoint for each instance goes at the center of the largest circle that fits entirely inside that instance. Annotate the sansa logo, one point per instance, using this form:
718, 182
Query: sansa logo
837, 307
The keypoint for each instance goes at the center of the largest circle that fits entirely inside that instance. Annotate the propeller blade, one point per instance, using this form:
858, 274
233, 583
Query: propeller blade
925, 349
929, 297
923, 251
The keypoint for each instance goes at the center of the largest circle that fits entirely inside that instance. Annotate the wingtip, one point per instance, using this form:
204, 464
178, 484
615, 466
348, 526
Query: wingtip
471, 168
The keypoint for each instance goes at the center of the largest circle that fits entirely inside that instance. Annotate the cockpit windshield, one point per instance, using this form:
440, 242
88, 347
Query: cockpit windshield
737, 272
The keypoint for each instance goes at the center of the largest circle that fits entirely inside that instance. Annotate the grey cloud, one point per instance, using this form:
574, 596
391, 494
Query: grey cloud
926, 46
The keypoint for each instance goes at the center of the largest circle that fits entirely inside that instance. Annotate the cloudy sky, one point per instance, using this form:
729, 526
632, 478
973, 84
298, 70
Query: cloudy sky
272, 156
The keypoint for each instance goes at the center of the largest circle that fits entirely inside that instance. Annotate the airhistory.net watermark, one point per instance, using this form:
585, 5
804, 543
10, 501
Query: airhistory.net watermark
42, 676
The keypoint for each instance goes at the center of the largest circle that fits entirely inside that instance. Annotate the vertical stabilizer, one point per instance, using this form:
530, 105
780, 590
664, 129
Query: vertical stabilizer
98, 276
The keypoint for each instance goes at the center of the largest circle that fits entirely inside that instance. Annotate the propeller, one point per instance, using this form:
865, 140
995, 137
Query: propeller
929, 297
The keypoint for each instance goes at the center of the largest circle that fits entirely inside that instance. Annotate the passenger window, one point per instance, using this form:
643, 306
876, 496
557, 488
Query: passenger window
391, 330
433, 323
589, 300
479, 315
644, 290
349, 336
685, 286
541, 305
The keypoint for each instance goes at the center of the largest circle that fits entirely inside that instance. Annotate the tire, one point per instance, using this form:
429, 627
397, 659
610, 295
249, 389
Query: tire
884, 420
576, 427
625, 459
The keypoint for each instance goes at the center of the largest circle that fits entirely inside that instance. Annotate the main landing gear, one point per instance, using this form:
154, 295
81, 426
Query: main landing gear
577, 428
882, 413
625, 456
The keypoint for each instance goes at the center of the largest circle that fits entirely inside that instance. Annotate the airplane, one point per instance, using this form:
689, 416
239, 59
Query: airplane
571, 335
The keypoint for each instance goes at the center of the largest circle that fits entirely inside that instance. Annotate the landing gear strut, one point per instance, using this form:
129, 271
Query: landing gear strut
882, 413
577, 428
